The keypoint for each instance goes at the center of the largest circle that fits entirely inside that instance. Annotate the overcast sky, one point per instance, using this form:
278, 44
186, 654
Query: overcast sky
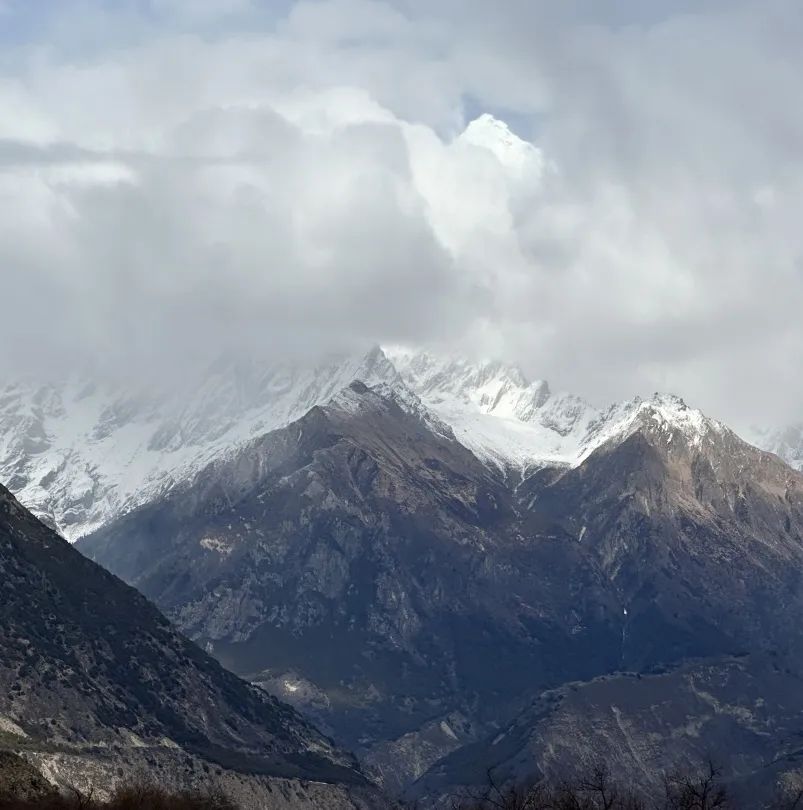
268, 176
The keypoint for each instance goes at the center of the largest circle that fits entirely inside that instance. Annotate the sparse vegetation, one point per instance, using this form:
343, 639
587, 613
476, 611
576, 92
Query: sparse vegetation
128, 798
701, 790
597, 789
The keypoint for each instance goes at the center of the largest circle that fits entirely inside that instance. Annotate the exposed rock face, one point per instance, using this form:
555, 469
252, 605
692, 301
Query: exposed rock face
93, 679
362, 556
395, 764
699, 535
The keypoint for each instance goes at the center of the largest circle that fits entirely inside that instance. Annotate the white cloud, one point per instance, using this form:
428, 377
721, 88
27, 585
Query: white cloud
301, 183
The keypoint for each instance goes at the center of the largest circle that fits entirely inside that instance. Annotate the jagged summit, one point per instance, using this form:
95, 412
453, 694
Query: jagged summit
495, 410
666, 414
512, 422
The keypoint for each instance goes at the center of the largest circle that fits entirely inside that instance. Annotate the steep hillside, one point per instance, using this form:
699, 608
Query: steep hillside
96, 685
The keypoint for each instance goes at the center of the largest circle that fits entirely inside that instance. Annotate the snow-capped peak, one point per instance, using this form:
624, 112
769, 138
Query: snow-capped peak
514, 423
513, 152
495, 410
666, 413
672, 411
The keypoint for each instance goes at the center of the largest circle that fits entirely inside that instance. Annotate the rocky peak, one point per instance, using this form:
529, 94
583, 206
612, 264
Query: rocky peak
665, 416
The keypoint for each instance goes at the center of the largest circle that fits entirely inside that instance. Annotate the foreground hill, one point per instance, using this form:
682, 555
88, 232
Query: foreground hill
96, 687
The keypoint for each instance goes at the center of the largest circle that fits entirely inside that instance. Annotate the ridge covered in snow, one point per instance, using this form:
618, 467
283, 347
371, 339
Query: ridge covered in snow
514, 423
786, 442
80, 453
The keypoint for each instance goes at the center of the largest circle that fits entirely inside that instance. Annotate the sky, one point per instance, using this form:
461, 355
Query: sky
276, 178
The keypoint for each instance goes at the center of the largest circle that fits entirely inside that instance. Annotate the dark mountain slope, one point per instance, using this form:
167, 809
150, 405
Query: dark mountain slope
743, 714
699, 534
89, 667
364, 562
372, 560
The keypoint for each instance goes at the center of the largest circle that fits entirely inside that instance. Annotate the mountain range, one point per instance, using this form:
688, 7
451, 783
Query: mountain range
80, 453
443, 564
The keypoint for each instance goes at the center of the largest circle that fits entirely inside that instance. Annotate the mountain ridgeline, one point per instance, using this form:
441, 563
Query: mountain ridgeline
417, 569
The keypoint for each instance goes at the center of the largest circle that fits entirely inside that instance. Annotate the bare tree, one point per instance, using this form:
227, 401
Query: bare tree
701, 791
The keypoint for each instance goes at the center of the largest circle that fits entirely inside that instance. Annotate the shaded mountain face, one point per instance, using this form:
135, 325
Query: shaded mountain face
743, 714
94, 679
364, 553
365, 562
698, 534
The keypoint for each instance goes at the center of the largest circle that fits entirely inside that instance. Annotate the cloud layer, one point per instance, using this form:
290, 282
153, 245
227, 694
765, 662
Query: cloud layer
179, 178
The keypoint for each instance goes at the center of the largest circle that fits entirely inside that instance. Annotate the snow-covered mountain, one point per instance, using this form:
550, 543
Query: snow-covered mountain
513, 423
80, 453
519, 157
785, 442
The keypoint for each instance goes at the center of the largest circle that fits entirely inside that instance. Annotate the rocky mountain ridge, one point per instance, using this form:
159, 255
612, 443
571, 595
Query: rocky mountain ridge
740, 713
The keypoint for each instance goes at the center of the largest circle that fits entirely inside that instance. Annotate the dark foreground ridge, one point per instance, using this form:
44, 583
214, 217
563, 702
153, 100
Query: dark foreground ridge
592, 788
97, 688
127, 798
595, 789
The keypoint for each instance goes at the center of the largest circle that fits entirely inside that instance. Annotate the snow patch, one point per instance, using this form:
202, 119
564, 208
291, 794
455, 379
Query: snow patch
222, 547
